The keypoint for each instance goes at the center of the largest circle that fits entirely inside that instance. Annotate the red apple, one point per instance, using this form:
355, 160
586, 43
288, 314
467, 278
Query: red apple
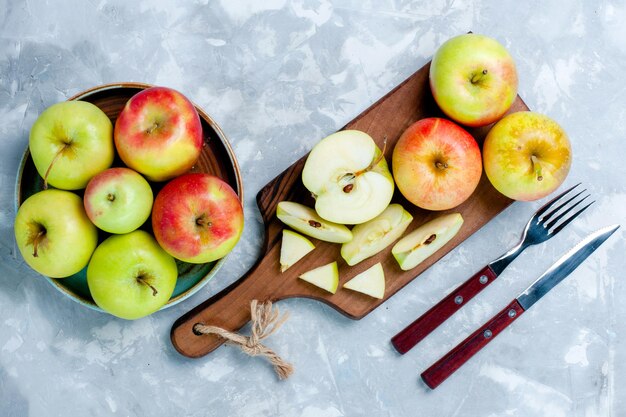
527, 155
158, 133
436, 164
473, 79
197, 218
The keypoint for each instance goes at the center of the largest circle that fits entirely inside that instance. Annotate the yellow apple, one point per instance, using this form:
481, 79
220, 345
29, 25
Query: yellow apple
526, 156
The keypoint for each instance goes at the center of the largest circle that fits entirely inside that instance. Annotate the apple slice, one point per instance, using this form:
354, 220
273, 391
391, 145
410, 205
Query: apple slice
293, 247
305, 220
371, 237
370, 282
349, 177
326, 277
418, 245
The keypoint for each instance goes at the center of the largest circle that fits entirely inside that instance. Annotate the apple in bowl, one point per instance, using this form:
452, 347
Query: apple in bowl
158, 133
436, 164
473, 79
70, 142
526, 155
118, 200
130, 276
197, 218
54, 234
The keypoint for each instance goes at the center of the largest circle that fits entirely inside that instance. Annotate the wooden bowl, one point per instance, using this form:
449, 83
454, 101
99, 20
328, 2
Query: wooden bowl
217, 158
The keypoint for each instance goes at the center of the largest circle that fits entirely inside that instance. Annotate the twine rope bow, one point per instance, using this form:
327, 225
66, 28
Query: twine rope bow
265, 321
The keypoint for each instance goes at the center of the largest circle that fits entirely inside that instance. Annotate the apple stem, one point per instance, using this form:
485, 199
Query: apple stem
201, 221
36, 241
152, 128
376, 161
477, 77
142, 279
110, 197
56, 157
536, 167
349, 187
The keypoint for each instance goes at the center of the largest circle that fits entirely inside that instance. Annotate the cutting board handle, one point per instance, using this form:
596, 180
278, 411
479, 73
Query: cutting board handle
228, 309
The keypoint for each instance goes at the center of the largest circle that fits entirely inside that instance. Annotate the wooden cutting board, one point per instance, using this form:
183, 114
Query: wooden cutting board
389, 117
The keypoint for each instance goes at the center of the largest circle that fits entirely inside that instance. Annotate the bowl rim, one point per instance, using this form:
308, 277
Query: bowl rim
233, 162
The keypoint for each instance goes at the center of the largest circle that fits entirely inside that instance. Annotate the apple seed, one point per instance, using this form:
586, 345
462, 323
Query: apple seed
315, 224
430, 239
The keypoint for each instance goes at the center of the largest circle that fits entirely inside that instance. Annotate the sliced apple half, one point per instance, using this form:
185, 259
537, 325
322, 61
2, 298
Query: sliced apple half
349, 177
326, 277
293, 247
418, 245
305, 220
371, 237
370, 282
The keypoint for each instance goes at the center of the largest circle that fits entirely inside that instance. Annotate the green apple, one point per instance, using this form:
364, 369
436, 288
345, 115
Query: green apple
373, 236
427, 239
349, 178
473, 79
293, 247
370, 282
526, 156
118, 200
305, 220
130, 276
325, 277
71, 142
53, 233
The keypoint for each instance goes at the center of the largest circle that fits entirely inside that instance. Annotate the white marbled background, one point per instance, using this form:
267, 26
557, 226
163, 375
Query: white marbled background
277, 76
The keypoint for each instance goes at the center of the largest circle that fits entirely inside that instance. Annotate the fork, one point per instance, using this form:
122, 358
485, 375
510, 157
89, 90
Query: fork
549, 220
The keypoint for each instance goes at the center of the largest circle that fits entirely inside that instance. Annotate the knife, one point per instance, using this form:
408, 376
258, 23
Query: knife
454, 359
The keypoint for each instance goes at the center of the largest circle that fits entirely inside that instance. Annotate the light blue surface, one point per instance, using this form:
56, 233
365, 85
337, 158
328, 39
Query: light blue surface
278, 76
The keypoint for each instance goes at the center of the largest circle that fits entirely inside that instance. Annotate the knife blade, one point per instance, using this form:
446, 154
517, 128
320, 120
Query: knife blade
453, 360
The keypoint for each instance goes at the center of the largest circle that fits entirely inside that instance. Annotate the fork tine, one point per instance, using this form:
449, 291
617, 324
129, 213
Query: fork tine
572, 217
549, 203
561, 215
560, 206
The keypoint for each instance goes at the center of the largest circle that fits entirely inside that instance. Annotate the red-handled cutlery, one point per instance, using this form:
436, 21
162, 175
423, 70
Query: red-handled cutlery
549, 220
452, 361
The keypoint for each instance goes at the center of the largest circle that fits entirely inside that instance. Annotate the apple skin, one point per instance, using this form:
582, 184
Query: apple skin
124, 272
436, 164
118, 200
197, 218
527, 155
68, 238
473, 79
158, 133
80, 134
